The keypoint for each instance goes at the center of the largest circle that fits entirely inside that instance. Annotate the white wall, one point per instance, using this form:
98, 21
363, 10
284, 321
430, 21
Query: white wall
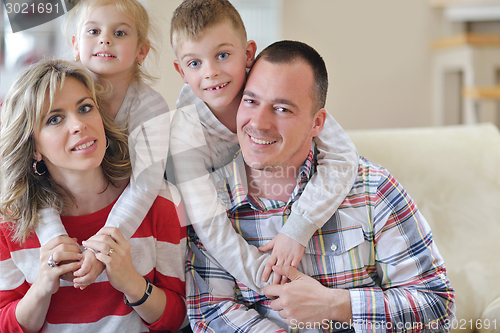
377, 54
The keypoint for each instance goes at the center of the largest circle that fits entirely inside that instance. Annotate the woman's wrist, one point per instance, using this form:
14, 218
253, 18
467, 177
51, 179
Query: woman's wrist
136, 290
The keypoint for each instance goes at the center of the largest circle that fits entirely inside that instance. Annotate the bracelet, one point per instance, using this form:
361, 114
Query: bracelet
149, 289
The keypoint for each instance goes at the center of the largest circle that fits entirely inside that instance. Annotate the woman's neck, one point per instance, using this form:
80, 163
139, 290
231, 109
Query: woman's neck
89, 193
119, 85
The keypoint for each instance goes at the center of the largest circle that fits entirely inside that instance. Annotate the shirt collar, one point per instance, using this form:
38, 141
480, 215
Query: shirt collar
237, 189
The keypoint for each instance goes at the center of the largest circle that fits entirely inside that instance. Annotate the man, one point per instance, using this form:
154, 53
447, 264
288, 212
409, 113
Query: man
372, 267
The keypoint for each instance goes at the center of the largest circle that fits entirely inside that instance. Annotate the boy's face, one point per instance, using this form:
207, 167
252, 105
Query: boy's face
215, 65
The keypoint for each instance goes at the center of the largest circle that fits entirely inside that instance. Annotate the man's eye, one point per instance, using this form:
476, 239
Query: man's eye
283, 110
223, 55
249, 101
194, 63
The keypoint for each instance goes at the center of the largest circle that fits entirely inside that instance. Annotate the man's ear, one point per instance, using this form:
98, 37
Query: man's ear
250, 52
318, 121
178, 68
76, 51
143, 51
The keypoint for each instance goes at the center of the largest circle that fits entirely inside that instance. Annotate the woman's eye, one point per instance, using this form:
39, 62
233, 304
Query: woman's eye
120, 33
86, 108
194, 63
54, 120
93, 31
223, 55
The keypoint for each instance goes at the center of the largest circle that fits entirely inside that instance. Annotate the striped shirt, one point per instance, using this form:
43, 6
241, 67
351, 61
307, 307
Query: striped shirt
200, 144
158, 252
377, 245
146, 115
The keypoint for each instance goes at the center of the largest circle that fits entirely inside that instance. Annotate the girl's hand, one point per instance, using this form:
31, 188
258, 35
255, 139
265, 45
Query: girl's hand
65, 255
89, 271
115, 255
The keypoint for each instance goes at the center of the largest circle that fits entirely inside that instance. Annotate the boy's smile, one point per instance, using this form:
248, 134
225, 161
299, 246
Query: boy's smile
214, 66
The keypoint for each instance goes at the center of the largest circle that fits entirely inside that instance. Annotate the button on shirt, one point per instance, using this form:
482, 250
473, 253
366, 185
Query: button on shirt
377, 245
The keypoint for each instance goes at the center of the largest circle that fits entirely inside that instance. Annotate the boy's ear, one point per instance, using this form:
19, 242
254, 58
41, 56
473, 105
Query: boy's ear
178, 68
318, 121
250, 52
74, 42
143, 51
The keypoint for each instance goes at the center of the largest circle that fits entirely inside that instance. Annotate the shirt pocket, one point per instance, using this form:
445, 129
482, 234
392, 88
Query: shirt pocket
336, 257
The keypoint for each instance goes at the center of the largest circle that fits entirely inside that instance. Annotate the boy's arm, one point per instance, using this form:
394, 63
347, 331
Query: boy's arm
328, 187
206, 212
214, 300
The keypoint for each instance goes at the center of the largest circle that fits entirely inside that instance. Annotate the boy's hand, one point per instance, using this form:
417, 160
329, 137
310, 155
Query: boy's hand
286, 251
90, 270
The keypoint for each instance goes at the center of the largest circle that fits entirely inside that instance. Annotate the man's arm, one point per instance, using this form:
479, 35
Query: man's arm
214, 300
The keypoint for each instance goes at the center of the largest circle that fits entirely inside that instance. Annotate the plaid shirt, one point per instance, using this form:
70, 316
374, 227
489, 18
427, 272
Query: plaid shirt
377, 245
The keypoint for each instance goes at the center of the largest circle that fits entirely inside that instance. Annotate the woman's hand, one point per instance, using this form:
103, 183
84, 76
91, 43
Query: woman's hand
65, 254
114, 253
65, 257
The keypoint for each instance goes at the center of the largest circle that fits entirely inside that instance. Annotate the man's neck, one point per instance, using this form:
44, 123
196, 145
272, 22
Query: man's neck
275, 184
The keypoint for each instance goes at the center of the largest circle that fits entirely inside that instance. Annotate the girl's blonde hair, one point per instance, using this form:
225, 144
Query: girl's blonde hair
22, 193
131, 8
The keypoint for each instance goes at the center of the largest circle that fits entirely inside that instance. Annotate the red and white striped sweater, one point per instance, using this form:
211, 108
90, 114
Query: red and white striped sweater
157, 249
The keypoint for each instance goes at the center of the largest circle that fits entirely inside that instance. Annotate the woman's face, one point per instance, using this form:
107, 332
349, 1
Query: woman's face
71, 139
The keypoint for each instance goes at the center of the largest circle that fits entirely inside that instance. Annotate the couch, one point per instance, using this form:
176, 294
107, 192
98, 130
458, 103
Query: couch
453, 174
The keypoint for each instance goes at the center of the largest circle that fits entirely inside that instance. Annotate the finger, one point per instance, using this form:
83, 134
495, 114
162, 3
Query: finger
62, 257
290, 272
276, 278
284, 279
268, 268
113, 233
268, 246
272, 291
100, 243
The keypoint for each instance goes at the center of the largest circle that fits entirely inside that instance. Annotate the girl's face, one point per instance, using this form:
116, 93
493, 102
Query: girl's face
108, 43
72, 138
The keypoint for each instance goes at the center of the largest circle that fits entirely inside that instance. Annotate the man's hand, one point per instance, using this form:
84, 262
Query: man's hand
305, 300
90, 270
286, 252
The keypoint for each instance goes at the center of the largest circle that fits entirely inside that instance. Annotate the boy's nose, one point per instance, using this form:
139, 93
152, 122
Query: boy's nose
212, 71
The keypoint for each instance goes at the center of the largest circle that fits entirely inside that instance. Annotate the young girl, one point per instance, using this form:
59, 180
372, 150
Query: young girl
58, 150
111, 40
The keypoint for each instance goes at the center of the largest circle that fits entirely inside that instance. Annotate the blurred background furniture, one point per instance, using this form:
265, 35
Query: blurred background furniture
453, 174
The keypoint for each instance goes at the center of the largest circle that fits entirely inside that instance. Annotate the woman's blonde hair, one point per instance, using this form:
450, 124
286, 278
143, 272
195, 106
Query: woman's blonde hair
22, 193
131, 8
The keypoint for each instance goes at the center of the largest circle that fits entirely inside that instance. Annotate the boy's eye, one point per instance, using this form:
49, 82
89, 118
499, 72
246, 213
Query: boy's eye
120, 33
194, 63
93, 31
223, 55
54, 120
86, 108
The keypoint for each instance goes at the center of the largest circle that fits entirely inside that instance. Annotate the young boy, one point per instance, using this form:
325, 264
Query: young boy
213, 54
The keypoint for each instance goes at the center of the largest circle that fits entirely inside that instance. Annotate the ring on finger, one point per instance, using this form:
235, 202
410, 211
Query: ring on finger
51, 261
110, 251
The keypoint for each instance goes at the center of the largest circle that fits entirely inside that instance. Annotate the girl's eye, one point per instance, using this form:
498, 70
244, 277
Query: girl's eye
194, 63
223, 55
54, 120
120, 33
86, 108
93, 31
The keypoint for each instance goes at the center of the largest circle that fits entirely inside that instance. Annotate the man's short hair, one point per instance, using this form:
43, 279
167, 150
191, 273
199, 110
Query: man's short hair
287, 51
193, 17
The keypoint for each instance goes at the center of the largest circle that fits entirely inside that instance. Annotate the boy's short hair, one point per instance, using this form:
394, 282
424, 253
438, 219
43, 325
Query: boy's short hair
287, 51
193, 17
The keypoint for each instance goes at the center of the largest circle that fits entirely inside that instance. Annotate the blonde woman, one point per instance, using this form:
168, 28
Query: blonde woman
58, 150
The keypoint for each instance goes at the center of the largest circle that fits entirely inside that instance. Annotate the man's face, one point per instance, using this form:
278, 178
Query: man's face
275, 121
